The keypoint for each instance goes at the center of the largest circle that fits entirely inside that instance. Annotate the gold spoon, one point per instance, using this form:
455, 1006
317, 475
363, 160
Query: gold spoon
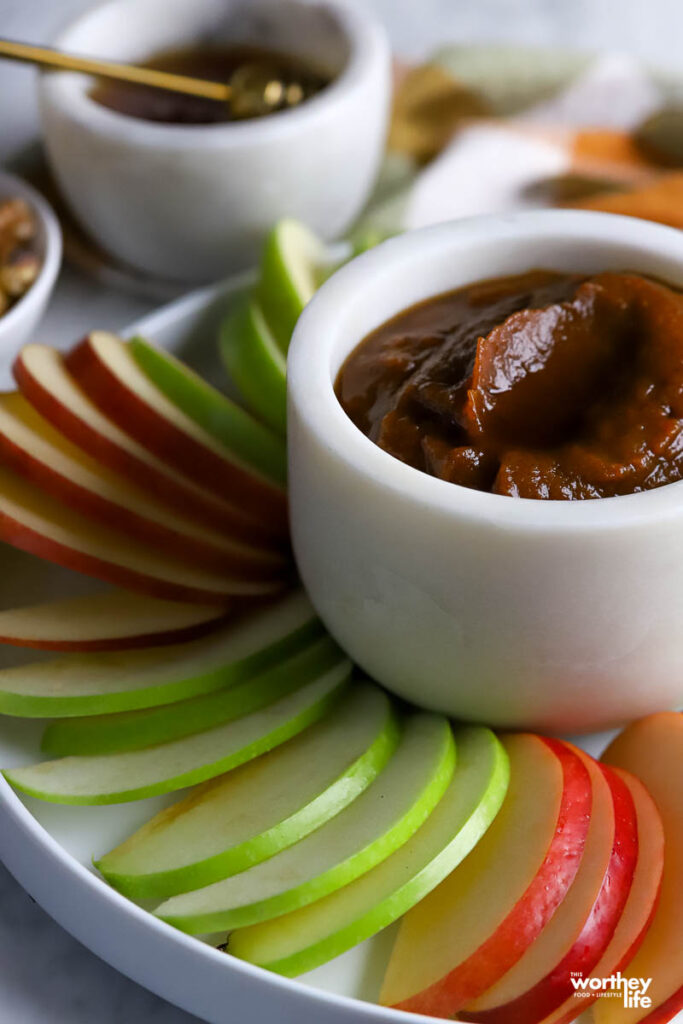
252, 90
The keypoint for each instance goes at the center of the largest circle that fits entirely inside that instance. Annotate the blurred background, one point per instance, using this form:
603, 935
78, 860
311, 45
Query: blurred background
652, 30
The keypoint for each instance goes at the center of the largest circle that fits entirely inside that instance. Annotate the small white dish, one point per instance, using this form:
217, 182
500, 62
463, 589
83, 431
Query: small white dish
551, 615
192, 202
18, 324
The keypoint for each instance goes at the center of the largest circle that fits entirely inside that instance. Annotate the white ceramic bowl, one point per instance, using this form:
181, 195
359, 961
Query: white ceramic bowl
18, 324
523, 613
192, 202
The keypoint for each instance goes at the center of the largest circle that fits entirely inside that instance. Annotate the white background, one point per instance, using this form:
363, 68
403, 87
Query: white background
45, 976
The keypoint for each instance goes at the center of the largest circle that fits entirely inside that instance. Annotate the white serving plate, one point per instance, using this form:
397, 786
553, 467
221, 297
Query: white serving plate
48, 848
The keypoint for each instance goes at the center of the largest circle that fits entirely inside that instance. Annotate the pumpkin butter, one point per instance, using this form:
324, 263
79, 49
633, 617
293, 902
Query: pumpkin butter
541, 385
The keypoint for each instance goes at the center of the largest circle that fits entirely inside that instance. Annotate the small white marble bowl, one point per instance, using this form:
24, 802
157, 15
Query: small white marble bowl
192, 203
18, 324
562, 616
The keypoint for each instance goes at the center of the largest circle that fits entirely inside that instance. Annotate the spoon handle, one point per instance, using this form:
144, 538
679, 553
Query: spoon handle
50, 58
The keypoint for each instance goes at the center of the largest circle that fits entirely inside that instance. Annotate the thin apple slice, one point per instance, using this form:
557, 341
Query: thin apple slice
44, 381
110, 621
257, 810
82, 684
213, 411
471, 930
666, 1011
638, 911
117, 778
255, 363
135, 730
312, 935
33, 449
363, 835
34, 522
104, 366
652, 750
580, 930
292, 257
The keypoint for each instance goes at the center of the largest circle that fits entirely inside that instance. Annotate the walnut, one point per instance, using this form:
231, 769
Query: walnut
19, 264
19, 273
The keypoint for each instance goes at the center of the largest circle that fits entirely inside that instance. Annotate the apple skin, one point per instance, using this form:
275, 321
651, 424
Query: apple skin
45, 636
137, 642
433, 773
255, 363
233, 483
667, 1010
233, 557
641, 904
549, 993
75, 685
147, 727
214, 411
652, 749
358, 750
532, 911
281, 297
314, 701
179, 493
20, 535
462, 816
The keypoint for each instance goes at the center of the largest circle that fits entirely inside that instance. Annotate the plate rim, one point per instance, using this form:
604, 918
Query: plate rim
36, 860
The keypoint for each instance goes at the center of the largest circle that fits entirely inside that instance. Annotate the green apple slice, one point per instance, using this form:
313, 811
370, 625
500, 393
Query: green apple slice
291, 260
103, 683
136, 774
350, 844
135, 730
312, 935
255, 363
259, 809
250, 441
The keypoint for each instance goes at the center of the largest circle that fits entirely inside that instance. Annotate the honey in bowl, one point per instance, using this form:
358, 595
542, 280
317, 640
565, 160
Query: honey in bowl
239, 64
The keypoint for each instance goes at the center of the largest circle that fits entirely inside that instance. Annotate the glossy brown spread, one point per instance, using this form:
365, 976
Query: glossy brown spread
214, 63
541, 385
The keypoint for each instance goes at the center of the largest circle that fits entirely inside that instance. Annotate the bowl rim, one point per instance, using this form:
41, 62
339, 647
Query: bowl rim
311, 373
12, 186
368, 48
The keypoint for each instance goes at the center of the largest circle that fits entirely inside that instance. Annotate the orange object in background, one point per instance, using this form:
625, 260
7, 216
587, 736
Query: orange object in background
660, 200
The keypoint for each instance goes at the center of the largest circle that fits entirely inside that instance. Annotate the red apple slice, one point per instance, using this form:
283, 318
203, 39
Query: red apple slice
638, 911
652, 749
578, 934
114, 620
44, 381
31, 447
478, 923
34, 522
667, 1011
104, 366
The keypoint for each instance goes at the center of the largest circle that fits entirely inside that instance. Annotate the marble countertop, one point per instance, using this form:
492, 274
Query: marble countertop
46, 977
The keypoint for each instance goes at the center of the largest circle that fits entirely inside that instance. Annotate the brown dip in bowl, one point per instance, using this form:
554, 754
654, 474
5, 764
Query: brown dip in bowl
538, 385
